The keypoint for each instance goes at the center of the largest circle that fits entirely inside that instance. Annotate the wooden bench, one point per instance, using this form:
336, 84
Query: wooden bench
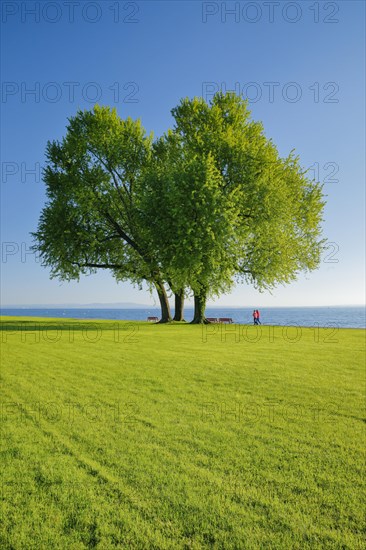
212, 319
225, 320
153, 319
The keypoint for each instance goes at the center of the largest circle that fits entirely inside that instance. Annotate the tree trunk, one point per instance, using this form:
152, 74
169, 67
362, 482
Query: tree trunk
164, 303
179, 306
199, 308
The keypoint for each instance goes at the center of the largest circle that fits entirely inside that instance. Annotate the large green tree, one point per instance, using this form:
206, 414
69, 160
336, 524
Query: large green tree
92, 219
210, 203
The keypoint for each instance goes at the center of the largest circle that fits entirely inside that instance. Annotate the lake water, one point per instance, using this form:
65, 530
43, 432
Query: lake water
347, 317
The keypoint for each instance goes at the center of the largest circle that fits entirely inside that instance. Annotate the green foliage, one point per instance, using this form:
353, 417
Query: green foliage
190, 224
275, 212
92, 178
208, 204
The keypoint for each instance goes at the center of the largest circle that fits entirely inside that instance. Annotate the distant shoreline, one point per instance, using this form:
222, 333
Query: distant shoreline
325, 317
330, 326
187, 307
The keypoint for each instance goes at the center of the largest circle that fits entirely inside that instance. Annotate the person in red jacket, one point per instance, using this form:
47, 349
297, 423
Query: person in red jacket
258, 317
255, 317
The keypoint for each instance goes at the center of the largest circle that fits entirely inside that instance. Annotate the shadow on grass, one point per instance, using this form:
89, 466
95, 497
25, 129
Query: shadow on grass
66, 325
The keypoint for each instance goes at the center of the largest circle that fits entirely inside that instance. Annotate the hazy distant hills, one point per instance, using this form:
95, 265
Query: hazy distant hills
114, 305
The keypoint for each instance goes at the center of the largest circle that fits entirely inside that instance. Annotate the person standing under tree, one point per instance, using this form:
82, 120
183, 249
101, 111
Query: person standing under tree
258, 317
255, 317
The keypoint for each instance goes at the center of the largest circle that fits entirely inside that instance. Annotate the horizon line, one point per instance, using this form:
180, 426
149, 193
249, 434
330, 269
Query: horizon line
147, 306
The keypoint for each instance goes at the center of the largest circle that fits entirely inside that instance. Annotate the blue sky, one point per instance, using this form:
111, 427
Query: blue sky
300, 63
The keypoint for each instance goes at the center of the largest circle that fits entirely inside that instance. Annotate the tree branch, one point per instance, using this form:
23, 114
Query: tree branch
101, 266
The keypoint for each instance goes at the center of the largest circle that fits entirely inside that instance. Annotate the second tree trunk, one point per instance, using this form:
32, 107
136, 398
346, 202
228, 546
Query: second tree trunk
179, 306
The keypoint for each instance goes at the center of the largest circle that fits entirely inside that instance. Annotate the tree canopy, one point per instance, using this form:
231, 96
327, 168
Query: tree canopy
235, 210
208, 204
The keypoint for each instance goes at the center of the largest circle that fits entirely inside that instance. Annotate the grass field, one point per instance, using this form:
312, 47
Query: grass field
132, 435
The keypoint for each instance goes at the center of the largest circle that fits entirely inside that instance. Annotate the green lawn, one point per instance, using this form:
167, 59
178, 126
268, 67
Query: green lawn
133, 435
